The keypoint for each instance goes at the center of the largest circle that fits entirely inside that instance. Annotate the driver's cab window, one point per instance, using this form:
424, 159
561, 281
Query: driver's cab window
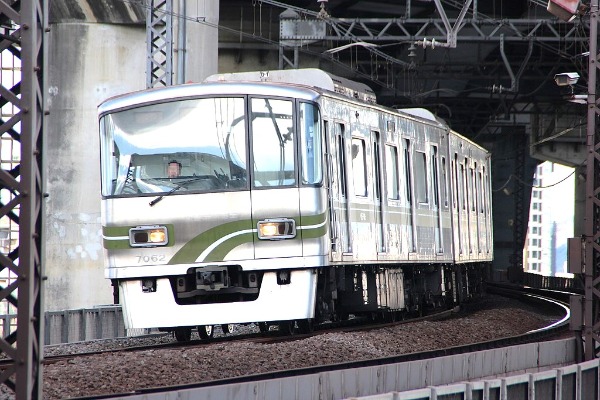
272, 129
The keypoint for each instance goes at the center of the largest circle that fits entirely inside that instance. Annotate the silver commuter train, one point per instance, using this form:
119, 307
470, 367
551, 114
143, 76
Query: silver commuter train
286, 198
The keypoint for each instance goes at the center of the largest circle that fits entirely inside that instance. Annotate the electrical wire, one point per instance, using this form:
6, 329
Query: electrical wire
511, 176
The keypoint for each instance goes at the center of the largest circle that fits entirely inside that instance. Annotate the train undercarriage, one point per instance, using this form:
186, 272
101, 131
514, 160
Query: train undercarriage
384, 293
372, 292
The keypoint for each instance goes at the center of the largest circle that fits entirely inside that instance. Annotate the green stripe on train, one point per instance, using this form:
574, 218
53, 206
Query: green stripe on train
239, 232
190, 252
192, 249
317, 231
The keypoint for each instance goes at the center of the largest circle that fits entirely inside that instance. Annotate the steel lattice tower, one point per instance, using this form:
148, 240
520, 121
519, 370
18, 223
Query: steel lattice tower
23, 25
591, 267
159, 42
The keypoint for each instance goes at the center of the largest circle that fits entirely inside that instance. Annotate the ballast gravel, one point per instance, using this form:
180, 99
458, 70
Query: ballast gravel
113, 373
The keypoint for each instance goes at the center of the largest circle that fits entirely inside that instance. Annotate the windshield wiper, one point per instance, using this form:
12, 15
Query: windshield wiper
177, 187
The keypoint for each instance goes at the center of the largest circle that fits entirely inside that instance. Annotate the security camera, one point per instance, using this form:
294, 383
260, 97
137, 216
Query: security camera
566, 78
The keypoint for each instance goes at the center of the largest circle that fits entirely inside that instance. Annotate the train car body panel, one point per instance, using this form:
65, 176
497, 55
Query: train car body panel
223, 234
471, 200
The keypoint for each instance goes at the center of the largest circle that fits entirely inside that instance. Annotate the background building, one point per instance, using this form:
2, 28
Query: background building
551, 215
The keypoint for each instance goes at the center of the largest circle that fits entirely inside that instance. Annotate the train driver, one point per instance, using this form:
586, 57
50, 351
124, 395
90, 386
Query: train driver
174, 169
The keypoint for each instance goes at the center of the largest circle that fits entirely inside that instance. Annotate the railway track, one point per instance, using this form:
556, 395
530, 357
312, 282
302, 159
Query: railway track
217, 347
271, 337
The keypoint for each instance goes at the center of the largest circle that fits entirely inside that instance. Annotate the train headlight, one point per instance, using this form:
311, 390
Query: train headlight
148, 236
275, 229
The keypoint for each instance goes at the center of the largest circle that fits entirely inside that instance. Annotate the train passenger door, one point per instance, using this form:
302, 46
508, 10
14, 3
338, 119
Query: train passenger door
485, 205
275, 195
435, 201
467, 172
339, 208
458, 202
476, 207
378, 191
334, 224
410, 234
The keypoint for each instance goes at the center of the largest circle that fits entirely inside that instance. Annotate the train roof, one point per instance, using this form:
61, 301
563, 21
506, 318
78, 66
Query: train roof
192, 90
304, 83
319, 79
310, 77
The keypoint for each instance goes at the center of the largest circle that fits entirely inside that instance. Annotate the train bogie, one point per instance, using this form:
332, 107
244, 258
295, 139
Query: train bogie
286, 204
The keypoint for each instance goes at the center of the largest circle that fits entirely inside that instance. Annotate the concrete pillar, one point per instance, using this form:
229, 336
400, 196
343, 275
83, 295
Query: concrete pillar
97, 50
201, 38
88, 63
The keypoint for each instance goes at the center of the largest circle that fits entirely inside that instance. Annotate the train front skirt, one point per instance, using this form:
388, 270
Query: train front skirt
293, 301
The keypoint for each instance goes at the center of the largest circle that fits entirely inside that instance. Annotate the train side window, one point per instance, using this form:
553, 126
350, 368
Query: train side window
392, 181
273, 142
359, 167
310, 144
421, 177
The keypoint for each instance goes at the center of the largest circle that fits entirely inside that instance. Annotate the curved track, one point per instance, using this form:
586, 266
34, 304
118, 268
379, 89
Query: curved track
532, 336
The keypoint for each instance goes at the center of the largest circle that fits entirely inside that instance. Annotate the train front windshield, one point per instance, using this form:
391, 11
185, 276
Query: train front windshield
201, 145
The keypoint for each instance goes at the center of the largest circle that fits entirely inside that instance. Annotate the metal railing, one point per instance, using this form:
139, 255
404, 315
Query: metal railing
573, 382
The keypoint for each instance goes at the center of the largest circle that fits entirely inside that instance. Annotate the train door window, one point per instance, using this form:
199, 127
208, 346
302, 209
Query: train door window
359, 167
434, 176
421, 177
484, 192
391, 158
466, 185
376, 166
455, 184
463, 187
272, 142
444, 183
473, 189
485, 207
310, 144
342, 159
407, 171
480, 192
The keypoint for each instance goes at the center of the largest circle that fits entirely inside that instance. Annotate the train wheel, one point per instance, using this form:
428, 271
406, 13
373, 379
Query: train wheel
305, 325
205, 331
391, 316
263, 327
342, 316
228, 328
287, 327
183, 334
